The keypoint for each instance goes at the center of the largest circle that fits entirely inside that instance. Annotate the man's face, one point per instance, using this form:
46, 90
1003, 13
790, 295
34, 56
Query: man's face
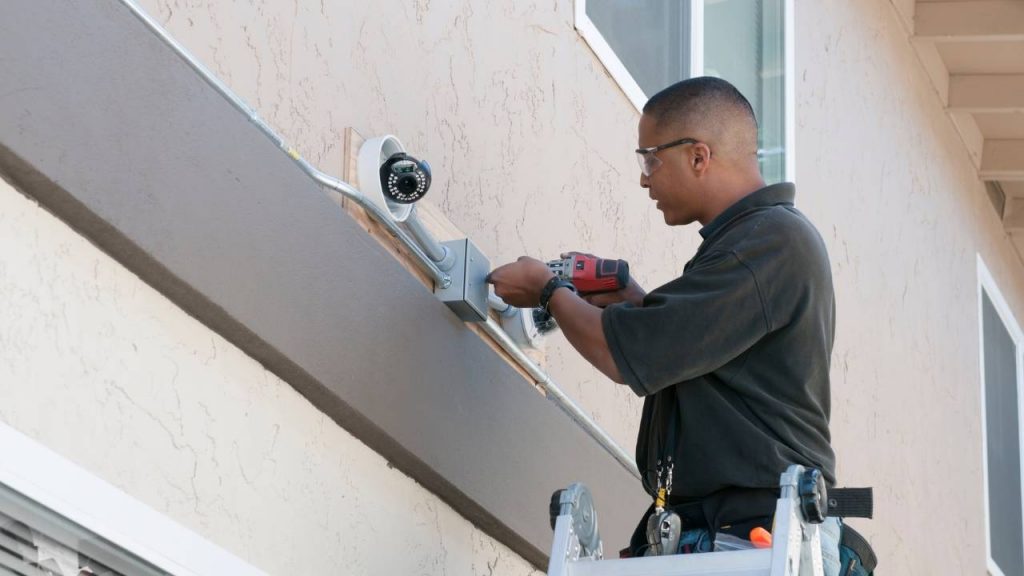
672, 185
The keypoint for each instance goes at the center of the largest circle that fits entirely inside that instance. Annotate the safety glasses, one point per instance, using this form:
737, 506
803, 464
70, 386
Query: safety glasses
648, 160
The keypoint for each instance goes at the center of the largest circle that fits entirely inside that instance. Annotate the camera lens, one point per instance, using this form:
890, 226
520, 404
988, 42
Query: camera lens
407, 184
403, 179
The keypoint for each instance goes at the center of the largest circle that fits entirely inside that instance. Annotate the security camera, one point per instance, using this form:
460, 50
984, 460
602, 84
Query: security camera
374, 155
404, 179
394, 181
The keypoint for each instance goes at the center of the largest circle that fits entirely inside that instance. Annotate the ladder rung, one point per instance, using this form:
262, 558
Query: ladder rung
734, 563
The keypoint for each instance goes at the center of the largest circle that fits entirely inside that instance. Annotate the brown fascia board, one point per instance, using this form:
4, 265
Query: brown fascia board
110, 130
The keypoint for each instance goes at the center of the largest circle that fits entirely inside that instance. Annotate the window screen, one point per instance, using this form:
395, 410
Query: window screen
744, 43
650, 37
1003, 443
35, 541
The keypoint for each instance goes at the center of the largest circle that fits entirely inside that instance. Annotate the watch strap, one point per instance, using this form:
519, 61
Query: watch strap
549, 290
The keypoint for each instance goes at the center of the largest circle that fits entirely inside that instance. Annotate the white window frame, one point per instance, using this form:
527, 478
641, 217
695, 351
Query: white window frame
37, 473
604, 52
987, 286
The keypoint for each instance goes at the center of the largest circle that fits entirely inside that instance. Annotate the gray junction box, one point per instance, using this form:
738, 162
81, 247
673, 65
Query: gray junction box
467, 294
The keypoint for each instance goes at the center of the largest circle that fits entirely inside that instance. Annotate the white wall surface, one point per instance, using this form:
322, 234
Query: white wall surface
102, 369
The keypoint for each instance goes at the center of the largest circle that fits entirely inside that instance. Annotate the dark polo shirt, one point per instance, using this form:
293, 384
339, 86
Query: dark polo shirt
740, 346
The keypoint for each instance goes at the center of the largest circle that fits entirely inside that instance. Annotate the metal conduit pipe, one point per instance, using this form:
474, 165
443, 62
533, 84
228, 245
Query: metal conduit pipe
499, 305
425, 262
441, 255
422, 259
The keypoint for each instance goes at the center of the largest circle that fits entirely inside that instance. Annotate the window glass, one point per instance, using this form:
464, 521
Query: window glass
36, 541
744, 43
650, 37
1002, 436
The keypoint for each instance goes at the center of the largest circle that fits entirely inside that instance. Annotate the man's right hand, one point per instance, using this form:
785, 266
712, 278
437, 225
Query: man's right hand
632, 293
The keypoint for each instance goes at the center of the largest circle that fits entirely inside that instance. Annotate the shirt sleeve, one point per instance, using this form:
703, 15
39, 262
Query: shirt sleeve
688, 327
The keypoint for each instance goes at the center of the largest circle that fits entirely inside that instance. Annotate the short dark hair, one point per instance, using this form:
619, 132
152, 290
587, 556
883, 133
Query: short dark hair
706, 102
689, 94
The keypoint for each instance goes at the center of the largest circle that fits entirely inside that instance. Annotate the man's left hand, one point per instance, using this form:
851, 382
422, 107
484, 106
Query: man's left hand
521, 282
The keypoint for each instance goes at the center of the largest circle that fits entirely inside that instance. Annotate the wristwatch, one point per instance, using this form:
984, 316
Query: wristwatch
549, 290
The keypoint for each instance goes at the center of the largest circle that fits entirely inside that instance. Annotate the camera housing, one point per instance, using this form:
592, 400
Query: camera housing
373, 154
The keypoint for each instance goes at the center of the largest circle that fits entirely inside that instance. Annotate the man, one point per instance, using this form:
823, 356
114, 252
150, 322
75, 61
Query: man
732, 357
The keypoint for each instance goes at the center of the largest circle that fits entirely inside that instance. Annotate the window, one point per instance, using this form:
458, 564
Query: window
744, 43
1001, 396
56, 519
35, 541
647, 45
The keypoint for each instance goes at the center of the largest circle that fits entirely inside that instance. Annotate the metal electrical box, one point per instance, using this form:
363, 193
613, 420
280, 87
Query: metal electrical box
467, 295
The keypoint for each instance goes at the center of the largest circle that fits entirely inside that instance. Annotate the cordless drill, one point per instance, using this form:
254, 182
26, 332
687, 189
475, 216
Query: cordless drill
590, 274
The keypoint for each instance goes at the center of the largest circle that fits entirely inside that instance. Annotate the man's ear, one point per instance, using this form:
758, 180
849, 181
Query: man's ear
699, 157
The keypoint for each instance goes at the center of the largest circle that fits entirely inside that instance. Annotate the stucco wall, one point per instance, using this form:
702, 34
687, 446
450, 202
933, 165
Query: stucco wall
891, 187
531, 145
107, 372
525, 128
530, 140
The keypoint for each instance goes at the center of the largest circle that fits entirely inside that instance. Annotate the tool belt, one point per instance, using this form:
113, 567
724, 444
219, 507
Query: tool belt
737, 510
729, 507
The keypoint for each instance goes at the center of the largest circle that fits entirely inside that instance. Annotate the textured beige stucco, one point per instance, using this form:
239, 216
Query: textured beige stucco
107, 372
530, 140
531, 143
892, 188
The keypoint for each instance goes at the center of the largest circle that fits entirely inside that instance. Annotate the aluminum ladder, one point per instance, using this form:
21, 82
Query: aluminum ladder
577, 549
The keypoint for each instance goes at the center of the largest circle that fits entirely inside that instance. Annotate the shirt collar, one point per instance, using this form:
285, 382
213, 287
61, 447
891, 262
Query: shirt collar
781, 193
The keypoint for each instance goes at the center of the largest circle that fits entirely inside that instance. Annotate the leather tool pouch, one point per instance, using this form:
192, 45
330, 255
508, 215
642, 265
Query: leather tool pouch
856, 557
855, 554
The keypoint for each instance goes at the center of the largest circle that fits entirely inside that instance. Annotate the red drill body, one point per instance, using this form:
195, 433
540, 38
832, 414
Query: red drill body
592, 274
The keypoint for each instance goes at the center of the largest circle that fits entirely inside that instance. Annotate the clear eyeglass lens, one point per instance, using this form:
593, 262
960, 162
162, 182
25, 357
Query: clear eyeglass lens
648, 162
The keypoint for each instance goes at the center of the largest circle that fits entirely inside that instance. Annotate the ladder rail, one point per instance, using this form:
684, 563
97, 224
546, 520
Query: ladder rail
791, 532
565, 550
736, 563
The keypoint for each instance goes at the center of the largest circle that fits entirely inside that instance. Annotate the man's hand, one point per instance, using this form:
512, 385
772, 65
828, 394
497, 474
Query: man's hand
521, 282
632, 293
